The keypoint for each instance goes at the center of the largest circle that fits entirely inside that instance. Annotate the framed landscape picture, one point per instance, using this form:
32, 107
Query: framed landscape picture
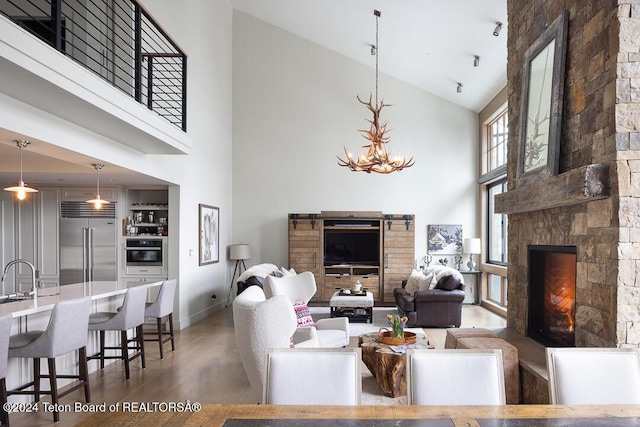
444, 239
209, 229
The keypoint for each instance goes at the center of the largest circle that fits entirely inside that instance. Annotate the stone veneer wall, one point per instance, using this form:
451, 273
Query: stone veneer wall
627, 179
601, 125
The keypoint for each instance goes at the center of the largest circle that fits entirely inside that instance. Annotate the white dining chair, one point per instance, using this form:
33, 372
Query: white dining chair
307, 376
455, 377
589, 376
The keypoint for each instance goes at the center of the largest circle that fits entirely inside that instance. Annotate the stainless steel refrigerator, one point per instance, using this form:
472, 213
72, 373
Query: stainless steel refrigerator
87, 243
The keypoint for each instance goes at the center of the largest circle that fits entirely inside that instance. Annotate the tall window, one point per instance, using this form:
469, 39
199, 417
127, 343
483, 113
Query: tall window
494, 182
498, 131
497, 225
497, 289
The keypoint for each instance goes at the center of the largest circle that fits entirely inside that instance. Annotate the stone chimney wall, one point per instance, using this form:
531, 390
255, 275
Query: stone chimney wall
600, 129
627, 172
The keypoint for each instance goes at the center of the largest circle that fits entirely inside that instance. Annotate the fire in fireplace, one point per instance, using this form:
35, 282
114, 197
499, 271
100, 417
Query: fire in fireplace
552, 295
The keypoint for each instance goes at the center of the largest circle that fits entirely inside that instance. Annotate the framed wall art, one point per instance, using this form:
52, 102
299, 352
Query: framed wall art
209, 228
444, 239
542, 98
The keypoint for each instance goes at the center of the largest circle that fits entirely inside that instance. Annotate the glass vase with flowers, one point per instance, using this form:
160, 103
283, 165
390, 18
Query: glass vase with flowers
397, 324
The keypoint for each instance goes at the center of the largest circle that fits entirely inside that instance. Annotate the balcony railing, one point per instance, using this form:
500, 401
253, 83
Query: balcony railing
116, 39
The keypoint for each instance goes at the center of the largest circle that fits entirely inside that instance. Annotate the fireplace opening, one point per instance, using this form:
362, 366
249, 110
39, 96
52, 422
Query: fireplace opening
552, 295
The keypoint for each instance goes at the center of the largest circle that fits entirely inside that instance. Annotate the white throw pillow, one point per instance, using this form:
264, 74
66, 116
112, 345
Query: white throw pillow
418, 281
431, 273
285, 272
258, 270
431, 281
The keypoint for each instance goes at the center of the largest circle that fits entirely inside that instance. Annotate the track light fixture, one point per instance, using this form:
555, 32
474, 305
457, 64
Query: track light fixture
498, 28
373, 50
476, 61
459, 88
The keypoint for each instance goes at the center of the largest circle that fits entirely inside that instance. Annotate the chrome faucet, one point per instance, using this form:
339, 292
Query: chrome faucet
33, 274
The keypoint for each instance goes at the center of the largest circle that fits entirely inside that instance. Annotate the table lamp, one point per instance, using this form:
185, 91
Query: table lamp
238, 252
472, 246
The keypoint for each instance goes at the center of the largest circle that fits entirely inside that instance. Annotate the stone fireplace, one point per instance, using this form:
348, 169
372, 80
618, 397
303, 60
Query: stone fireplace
552, 295
593, 203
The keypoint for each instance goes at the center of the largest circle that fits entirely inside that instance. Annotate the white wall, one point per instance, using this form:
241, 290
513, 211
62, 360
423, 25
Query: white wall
295, 107
203, 29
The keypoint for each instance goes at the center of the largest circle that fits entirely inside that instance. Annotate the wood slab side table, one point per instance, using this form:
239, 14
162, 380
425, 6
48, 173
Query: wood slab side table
387, 366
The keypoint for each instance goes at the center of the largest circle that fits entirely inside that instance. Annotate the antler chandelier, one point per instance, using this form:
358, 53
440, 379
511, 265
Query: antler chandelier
376, 158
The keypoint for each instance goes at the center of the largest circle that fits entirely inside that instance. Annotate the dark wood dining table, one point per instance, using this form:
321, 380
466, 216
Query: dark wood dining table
373, 415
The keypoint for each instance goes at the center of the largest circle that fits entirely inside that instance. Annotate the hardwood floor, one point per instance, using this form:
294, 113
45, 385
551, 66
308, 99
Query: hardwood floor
205, 368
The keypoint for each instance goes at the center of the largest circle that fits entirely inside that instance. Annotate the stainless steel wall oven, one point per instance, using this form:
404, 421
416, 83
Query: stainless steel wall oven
145, 256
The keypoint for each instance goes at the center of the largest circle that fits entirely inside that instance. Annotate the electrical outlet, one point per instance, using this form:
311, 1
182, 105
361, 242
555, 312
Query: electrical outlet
214, 296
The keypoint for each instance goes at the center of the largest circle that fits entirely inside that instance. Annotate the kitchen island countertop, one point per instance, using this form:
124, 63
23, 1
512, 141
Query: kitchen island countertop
48, 297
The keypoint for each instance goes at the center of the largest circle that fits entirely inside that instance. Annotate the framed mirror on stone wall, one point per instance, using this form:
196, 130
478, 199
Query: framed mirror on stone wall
541, 110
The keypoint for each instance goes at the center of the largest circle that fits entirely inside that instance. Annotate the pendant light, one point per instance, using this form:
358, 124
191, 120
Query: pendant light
376, 158
98, 202
21, 189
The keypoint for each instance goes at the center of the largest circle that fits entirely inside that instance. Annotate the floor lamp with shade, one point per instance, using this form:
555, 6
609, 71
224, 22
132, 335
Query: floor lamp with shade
238, 253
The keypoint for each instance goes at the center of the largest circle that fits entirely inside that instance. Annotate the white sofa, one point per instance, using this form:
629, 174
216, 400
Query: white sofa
261, 324
302, 287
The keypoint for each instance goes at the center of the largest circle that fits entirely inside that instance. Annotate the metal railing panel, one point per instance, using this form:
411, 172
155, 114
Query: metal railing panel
116, 39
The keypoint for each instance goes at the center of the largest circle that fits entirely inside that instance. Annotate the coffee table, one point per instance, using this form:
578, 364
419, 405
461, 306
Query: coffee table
356, 307
387, 366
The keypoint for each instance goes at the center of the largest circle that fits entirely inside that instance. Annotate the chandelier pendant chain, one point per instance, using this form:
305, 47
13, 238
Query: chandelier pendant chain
377, 56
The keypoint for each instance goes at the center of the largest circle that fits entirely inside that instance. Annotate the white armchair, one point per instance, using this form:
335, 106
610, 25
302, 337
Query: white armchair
261, 324
332, 332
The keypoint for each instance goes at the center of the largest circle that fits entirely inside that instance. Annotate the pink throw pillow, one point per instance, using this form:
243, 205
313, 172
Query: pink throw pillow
303, 315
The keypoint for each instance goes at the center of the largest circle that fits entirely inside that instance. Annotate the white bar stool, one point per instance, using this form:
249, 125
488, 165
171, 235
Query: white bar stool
129, 316
162, 307
66, 332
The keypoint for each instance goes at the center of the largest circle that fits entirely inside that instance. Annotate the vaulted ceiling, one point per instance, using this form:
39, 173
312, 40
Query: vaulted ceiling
430, 44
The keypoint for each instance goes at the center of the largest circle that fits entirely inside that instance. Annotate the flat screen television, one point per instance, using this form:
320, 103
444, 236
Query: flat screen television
354, 247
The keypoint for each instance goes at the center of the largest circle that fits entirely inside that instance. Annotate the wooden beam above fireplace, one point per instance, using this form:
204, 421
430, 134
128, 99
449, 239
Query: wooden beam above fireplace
585, 184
